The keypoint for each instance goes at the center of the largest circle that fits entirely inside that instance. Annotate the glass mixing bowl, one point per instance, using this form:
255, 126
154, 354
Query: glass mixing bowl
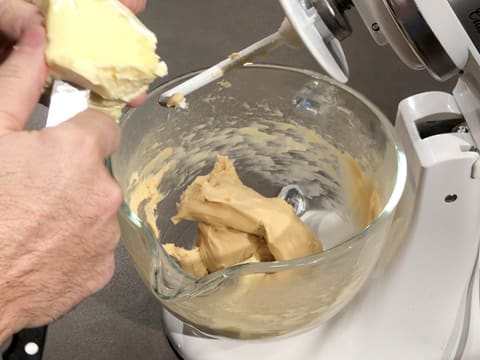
281, 126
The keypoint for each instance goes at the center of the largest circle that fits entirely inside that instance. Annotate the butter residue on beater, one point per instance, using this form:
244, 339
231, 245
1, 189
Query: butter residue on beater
102, 46
177, 100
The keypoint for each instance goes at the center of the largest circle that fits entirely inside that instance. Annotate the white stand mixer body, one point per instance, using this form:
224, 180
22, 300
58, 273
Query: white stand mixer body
422, 304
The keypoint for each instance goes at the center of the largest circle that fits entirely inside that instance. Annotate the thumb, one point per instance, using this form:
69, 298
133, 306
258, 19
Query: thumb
22, 77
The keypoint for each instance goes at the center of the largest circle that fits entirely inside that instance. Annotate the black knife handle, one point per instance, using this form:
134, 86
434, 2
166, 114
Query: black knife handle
27, 344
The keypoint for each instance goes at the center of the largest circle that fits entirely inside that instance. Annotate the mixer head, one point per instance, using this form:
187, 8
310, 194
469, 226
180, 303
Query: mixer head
321, 25
439, 38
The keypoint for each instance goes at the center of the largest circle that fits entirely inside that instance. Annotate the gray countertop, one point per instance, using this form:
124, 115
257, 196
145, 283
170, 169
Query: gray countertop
123, 321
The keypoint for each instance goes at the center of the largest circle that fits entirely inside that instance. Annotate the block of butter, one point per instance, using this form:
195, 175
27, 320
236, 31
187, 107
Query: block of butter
101, 45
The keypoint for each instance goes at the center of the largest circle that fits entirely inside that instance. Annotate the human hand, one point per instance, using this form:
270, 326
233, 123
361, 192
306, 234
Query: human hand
15, 15
58, 226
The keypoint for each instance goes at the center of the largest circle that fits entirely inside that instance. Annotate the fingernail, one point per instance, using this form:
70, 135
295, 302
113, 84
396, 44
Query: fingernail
32, 37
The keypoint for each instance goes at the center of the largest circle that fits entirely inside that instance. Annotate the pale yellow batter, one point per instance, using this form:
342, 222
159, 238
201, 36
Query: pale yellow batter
361, 192
189, 260
237, 223
221, 247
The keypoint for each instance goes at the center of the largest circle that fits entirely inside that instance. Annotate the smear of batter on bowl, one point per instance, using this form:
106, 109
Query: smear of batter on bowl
264, 142
237, 224
225, 84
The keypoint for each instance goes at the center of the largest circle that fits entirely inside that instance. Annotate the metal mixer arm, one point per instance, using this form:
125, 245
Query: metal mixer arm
439, 38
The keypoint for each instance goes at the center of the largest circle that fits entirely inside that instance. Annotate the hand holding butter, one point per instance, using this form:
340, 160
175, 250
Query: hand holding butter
102, 46
54, 186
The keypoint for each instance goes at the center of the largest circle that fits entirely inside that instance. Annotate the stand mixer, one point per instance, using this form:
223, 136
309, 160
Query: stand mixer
422, 301
425, 303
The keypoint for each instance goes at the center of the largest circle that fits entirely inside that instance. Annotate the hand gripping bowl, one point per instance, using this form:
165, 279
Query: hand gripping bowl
281, 126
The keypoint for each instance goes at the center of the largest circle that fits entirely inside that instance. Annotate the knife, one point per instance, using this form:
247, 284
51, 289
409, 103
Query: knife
64, 101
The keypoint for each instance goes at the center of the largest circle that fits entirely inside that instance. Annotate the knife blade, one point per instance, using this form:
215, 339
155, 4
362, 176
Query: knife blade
66, 101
